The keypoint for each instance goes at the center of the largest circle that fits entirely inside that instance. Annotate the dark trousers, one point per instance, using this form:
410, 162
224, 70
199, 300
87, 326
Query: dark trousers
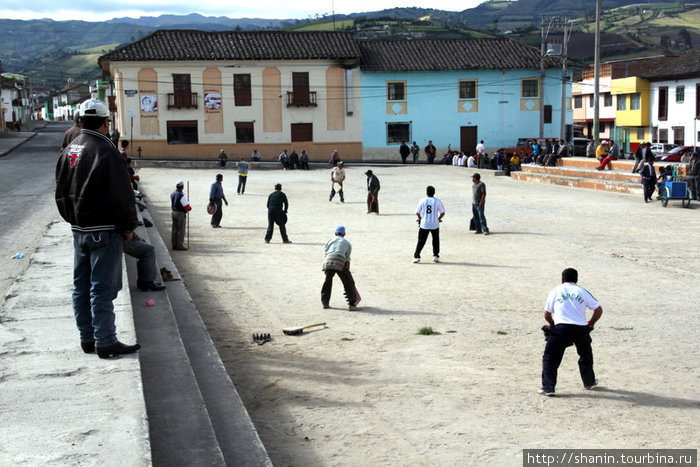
562, 336
372, 202
279, 217
340, 193
216, 217
241, 183
348, 283
649, 188
423, 237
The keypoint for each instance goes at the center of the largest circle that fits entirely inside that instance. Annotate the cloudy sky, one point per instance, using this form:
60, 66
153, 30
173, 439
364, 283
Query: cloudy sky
97, 11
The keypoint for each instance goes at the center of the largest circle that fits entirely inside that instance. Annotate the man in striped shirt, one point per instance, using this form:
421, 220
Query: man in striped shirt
430, 212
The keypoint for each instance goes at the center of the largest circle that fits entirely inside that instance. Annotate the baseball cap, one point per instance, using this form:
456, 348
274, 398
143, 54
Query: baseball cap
340, 230
340, 162
94, 108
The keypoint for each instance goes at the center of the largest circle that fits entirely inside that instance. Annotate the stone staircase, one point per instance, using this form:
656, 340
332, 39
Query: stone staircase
580, 172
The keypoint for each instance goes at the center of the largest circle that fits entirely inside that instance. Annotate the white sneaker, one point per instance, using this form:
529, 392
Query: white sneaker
546, 393
436, 259
416, 260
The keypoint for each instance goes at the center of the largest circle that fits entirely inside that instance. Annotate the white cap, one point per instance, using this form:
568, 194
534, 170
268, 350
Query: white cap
94, 108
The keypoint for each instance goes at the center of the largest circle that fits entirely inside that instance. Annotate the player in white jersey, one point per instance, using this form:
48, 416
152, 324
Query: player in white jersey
430, 212
565, 313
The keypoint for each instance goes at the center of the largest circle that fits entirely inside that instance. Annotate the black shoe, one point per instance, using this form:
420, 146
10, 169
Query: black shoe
150, 286
88, 347
478, 231
287, 241
116, 349
180, 248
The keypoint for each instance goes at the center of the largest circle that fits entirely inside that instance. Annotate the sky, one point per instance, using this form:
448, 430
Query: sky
270, 9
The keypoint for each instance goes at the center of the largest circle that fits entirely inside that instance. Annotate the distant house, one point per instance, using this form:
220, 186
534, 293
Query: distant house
14, 101
675, 100
63, 104
624, 100
190, 93
456, 92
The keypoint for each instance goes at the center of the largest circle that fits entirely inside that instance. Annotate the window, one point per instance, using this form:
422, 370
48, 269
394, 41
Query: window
302, 132
530, 88
634, 101
182, 132
241, 90
680, 94
697, 100
640, 134
182, 96
396, 90
398, 132
591, 101
663, 103
301, 96
601, 127
679, 135
244, 132
607, 99
578, 102
547, 114
467, 89
622, 102
663, 135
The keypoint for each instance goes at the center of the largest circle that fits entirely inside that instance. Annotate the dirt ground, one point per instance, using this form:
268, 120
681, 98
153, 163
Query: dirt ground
369, 390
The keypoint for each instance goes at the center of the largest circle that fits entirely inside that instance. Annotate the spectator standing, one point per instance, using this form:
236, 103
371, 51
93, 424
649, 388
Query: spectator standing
94, 196
430, 152
335, 158
430, 212
590, 149
74, 131
216, 196
122, 152
304, 160
565, 314
415, 150
180, 206
404, 151
277, 207
478, 204
694, 176
243, 168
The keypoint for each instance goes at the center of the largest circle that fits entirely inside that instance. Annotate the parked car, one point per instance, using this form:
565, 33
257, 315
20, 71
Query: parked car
675, 154
523, 148
662, 147
580, 146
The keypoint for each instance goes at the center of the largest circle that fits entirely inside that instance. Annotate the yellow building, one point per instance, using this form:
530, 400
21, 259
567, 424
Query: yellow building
632, 112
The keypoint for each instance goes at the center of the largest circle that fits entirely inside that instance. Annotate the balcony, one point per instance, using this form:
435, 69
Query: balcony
302, 98
182, 100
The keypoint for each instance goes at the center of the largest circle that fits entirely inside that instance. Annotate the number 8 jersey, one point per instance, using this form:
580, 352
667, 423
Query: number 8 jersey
430, 209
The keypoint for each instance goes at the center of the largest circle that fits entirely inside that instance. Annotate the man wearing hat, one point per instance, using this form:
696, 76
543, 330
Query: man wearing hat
337, 176
372, 192
179, 205
94, 195
216, 196
337, 261
277, 206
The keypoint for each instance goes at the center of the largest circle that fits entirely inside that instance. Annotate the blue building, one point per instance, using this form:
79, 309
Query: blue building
457, 92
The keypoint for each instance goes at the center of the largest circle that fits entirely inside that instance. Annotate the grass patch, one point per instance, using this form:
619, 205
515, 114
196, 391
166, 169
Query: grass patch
347, 339
451, 332
427, 331
502, 333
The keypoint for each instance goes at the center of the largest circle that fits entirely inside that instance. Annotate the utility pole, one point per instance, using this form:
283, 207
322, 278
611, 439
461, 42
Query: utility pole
596, 78
542, 54
564, 80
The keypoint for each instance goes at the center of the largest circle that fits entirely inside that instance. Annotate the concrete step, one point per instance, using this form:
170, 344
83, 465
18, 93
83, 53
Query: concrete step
584, 172
196, 416
616, 186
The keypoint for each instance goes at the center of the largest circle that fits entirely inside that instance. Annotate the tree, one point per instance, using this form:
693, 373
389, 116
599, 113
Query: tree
685, 38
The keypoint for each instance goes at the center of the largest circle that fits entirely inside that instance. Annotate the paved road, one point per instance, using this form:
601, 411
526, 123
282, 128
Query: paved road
27, 207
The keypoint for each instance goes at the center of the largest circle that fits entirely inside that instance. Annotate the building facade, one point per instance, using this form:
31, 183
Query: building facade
185, 94
456, 93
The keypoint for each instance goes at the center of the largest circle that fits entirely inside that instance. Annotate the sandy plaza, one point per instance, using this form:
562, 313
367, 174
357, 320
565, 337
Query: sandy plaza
367, 389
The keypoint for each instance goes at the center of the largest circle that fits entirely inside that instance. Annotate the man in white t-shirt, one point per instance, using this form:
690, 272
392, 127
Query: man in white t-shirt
430, 212
480, 148
565, 313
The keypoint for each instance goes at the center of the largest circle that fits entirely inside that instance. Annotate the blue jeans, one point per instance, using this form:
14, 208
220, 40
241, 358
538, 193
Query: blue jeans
97, 279
480, 219
146, 264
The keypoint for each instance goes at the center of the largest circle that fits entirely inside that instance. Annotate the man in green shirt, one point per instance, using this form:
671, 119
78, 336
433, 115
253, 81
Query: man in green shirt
277, 206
